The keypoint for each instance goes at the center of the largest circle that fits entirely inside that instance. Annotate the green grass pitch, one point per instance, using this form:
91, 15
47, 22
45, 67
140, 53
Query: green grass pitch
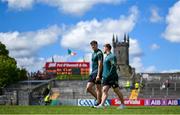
87, 110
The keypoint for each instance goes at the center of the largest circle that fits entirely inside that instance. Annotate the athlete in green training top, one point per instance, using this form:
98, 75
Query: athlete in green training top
96, 74
110, 77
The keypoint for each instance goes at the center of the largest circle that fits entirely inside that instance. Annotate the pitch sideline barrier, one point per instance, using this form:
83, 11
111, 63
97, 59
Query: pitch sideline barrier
128, 102
133, 102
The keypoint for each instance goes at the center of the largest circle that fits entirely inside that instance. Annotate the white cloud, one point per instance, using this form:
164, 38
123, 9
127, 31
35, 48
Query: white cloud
83, 32
154, 46
78, 7
172, 32
86, 57
19, 4
134, 48
79, 36
155, 17
171, 71
36, 63
24, 46
75, 7
136, 58
137, 63
150, 69
58, 58
31, 63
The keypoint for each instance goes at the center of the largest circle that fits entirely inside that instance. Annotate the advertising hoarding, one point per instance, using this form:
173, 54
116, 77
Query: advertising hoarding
69, 69
160, 102
128, 102
90, 102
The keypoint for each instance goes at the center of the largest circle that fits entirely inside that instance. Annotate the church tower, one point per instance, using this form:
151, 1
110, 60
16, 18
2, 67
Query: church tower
121, 50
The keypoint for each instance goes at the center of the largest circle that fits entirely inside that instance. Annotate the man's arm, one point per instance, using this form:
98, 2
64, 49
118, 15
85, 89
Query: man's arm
100, 66
113, 65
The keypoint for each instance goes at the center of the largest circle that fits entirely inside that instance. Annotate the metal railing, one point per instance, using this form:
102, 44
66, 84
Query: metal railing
157, 92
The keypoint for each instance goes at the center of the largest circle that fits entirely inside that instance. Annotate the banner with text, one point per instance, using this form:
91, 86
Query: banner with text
160, 102
128, 102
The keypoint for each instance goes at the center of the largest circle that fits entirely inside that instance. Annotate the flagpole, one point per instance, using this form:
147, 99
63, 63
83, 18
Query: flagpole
68, 59
83, 59
53, 59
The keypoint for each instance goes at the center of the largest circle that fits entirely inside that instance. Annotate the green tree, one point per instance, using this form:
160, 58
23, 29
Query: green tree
9, 72
22, 74
3, 50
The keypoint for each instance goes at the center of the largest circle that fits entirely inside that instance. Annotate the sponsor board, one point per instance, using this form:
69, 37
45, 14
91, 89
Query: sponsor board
128, 102
160, 102
90, 102
73, 65
172, 102
68, 68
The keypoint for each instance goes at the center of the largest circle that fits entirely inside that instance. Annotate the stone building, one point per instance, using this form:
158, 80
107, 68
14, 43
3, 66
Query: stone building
121, 50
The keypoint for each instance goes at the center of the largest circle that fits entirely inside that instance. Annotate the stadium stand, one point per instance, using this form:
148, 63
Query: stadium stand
76, 90
154, 86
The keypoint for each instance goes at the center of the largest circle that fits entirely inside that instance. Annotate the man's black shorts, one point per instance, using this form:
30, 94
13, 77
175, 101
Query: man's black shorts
111, 82
92, 78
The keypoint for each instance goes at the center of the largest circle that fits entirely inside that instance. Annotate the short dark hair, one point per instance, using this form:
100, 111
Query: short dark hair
93, 42
108, 46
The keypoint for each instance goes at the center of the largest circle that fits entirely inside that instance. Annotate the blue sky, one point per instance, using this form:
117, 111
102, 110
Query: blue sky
36, 30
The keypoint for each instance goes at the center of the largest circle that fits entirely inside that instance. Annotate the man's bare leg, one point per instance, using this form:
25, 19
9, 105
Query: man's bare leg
99, 92
119, 94
104, 94
89, 88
